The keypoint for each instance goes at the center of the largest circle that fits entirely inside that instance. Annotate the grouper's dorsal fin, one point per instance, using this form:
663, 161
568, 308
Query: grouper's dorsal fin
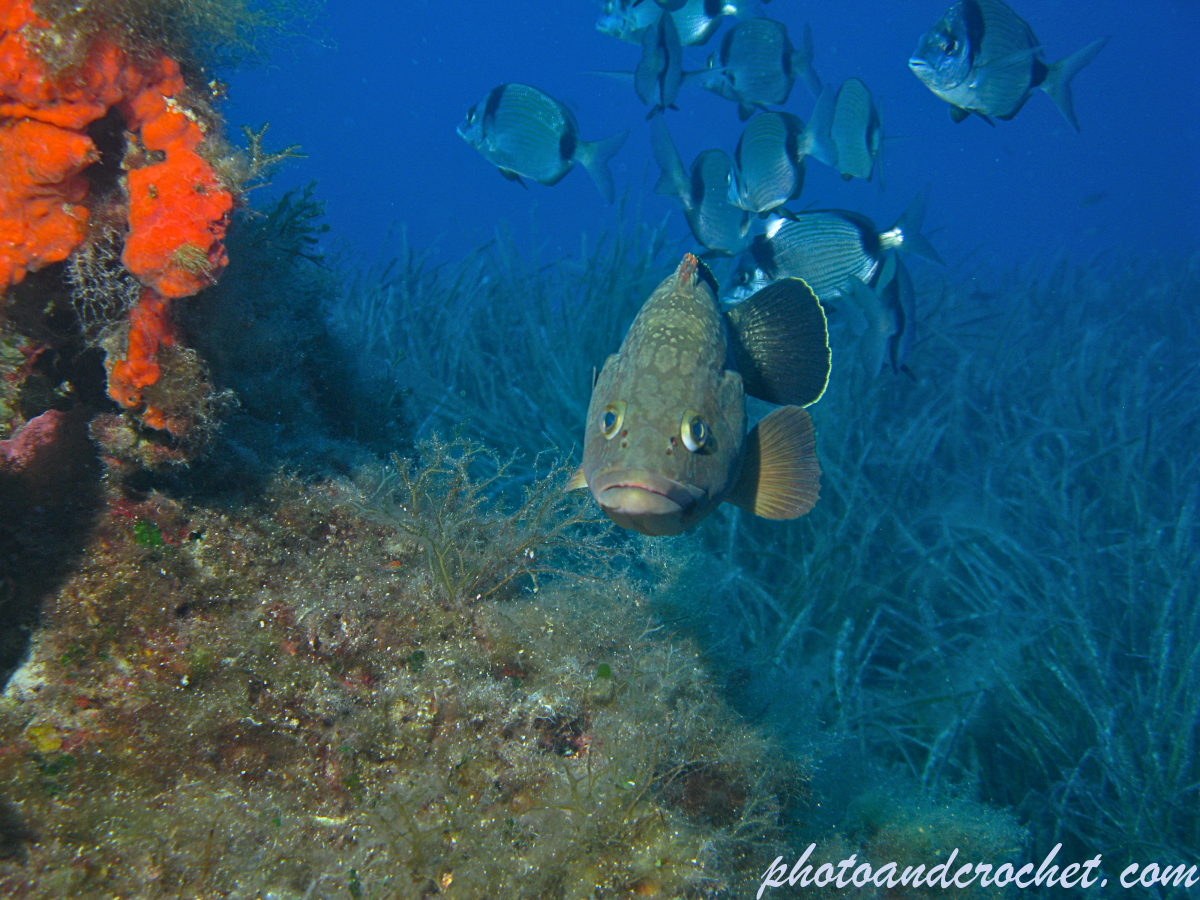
780, 477
780, 343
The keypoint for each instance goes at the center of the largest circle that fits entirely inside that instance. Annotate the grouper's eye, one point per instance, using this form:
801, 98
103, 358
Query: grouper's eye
693, 430
611, 418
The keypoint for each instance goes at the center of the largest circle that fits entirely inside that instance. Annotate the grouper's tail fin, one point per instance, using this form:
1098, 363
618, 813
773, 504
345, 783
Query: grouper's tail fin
1058, 78
594, 156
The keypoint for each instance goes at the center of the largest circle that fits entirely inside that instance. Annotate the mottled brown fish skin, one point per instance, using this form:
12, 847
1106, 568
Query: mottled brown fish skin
673, 359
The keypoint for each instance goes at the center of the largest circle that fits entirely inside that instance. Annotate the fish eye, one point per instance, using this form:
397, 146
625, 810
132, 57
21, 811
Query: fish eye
951, 45
693, 430
611, 419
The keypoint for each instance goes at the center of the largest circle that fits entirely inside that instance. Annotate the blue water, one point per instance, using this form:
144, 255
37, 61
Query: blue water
373, 94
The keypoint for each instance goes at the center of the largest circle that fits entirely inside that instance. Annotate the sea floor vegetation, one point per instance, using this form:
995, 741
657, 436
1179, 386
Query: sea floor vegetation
299, 699
996, 602
303, 667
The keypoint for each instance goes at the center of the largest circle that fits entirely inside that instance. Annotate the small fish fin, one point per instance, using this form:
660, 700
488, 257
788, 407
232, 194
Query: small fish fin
512, 176
817, 140
958, 114
578, 481
746, 110
780, 343
715, 254
905, 295
881, 325
887, 271
909, 228
626, 77
1058, 78
802, 63
655, 110
848, 305
878, 170
781, 476
594, 156
674, 181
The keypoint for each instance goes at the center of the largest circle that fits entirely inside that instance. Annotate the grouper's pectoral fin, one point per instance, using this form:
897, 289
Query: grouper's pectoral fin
577, 483
780, 343
780, 477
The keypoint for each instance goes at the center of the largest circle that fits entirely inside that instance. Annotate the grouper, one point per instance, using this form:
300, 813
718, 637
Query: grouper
666, 440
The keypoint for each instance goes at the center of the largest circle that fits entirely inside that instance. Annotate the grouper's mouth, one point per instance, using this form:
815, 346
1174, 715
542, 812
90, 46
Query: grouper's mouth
645, 501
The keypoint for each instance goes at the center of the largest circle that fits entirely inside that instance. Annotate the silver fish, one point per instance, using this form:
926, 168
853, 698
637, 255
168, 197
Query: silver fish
715, 222
768, 164
695, 20
665, 441
885, 318
525, 132
757, 65
828, 248
660, 73
982, 58
857, 131
626, 20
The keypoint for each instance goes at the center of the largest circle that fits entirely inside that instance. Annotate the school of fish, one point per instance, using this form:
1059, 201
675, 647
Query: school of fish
666, 439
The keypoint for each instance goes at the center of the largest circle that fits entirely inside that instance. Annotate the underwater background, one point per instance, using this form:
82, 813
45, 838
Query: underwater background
293, 603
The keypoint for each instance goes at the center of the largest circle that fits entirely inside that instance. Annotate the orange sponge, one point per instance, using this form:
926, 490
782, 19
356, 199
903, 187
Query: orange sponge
41, 188
178, 210
150, 327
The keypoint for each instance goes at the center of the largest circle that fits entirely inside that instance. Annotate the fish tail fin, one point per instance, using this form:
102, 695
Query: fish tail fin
674, 179
802, 63
780, 343
1058, 78
594, 156
907, 230
883, 139
781, 476
618, 74
818, 134
881, 325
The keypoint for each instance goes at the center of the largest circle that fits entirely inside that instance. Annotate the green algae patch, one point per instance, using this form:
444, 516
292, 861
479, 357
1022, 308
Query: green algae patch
147, 533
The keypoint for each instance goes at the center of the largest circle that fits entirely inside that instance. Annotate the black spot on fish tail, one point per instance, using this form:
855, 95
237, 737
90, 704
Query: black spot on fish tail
791, 145
566, 145
697, 186
763, 252
712, 8
1040, 71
